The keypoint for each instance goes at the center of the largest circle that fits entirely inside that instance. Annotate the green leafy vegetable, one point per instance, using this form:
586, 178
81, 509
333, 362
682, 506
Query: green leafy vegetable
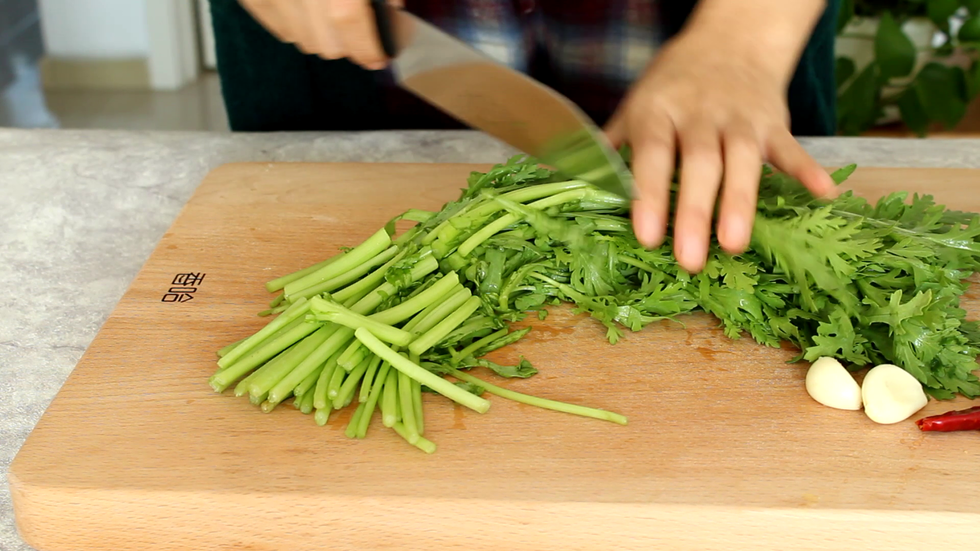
865, 283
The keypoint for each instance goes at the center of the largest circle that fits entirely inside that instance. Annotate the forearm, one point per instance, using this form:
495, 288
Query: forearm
772, 33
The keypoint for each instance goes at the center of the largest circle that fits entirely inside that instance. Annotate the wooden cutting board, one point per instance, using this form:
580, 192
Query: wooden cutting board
724, 449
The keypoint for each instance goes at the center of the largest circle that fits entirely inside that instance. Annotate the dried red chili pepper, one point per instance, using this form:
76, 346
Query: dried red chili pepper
967, 419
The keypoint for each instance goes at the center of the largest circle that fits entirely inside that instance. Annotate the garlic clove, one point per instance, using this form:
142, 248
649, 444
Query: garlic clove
828, 382
891, 394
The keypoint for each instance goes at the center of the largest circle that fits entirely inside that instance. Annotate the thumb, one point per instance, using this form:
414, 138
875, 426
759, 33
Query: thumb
615, 128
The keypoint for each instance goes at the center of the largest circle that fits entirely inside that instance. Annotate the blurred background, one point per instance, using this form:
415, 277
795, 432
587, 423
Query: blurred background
904, 67
118, 64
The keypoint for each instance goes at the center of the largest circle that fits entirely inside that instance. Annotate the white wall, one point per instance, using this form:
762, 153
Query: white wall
208, 54
95, 29
173, 56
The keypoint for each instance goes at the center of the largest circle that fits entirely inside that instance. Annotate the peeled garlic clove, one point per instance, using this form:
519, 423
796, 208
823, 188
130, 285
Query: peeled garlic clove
891, 394
830, 384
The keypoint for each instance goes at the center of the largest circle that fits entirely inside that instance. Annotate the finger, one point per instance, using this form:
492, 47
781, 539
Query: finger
615, 128
788, 155
740, 187
323, 35
267, 13
701, 168
298, 20
653, 163
356, 29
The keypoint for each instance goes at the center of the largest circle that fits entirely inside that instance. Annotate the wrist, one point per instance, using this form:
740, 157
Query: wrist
767, 35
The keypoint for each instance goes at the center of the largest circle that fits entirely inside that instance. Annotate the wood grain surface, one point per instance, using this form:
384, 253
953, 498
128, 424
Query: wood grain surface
724, 449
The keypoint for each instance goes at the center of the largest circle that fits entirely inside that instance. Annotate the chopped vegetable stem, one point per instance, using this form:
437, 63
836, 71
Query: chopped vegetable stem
309, 354
268, 406
417, 402
431, 337
306, 406
367, 284
397, 314
421, 443
336, 381
351, 431
335, 313
295, 311
377, 390
374, 299
224, 351
276, 348
354, 354
407, 406
482, 323
506, 220
257, 400
346, 278
477, 344
323, 381
368, 381
242, 388
354, 378
389, 401
540, 402
263, 354
279, 283
412, 324
416, 372
306, 386
360, 254
443, 311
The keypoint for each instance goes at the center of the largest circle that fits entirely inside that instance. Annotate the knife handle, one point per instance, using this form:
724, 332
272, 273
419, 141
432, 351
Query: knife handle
382, 19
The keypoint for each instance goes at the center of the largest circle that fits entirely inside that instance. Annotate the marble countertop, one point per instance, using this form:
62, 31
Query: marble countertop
81, 211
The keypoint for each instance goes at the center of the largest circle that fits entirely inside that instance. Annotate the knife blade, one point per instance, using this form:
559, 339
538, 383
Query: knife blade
502, 102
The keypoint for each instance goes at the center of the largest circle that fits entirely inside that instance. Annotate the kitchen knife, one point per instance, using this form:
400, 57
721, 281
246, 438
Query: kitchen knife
498, 100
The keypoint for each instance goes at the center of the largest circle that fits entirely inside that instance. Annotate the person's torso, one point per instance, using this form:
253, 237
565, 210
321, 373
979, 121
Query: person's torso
589, 51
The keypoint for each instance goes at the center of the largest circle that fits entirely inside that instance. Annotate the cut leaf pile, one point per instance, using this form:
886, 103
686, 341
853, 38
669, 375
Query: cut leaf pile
395, 316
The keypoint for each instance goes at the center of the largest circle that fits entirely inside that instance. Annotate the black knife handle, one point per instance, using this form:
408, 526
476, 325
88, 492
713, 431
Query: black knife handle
382, 20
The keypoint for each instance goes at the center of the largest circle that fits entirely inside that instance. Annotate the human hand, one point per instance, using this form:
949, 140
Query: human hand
724, 110
331, 29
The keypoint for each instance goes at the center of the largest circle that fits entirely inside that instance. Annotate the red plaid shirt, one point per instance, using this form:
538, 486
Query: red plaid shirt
590, 51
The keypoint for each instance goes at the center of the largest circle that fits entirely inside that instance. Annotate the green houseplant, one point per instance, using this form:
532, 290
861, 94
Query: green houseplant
913, 60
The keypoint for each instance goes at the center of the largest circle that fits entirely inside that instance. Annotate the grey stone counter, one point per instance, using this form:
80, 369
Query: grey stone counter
80, 212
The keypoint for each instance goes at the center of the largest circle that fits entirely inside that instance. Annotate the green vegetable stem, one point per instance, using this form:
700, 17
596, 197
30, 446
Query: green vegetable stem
376, 326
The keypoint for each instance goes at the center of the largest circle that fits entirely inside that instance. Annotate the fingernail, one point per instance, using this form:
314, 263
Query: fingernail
833, 192
830, 190
648, 228
734, 234
691, 253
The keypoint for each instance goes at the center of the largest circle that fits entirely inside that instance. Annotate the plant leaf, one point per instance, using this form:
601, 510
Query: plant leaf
843, 173
845, 14
939, 11
970, 31
844, 70
973, 82
941, 90
522, 370
894, 51
857, 107
913, 114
